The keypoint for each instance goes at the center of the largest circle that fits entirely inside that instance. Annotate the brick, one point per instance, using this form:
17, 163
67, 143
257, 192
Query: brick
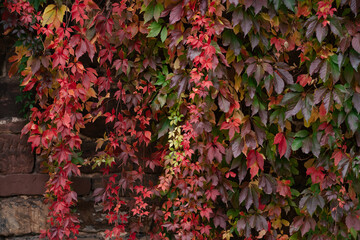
34, 184
15, 155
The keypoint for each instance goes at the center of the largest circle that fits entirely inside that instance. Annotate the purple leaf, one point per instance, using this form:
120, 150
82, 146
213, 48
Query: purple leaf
223, 104
354, 59
237, 147
286, 76
321, 32
246, 24
356, 101
352, 221
258, 5
318, 95
251, 69
314, 66
278, 83
324, 71
356, 42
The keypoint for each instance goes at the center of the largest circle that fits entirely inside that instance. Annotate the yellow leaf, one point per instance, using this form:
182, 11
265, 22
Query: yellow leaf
54, 15
238, 81
285, 223
227, 235
309, 162
230, 56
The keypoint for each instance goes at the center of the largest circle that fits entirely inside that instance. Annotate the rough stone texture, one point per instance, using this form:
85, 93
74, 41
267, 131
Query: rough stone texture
15, 155
34, 184
22, 215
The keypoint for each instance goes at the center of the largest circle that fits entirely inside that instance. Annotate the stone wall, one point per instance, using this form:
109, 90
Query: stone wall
22, 179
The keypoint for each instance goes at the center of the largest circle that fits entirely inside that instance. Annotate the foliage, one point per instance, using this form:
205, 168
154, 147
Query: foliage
249, 108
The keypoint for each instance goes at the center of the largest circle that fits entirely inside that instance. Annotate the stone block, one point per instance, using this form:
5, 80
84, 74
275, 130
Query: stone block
34, 184
22, 215
15, 154
82, 186
22, 184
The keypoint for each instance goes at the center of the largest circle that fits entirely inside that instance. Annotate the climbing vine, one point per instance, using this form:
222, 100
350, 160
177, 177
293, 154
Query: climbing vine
249, 109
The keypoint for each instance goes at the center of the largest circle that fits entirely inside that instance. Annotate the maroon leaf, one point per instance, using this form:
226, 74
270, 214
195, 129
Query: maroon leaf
352, 221
248, 3
267, 183
35, 65
224, 104
220, 219
176, 14
356, 42
296, 224
308, 223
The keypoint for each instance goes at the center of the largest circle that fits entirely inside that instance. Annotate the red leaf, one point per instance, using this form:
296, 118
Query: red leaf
316, 174
212, 193
255, 161
205, 212
283, 188
280, 139
304, 79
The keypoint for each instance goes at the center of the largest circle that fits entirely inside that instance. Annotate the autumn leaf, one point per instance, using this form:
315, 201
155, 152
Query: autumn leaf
255, 161
54, 15
316, 174
281, 141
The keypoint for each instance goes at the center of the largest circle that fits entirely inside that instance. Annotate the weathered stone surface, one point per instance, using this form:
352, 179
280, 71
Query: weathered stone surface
34, 184
12, 125
15, 155
8, 91
22, 215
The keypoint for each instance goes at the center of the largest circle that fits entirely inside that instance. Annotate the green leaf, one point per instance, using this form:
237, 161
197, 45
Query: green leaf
163, 34
149, 13
290, 4
155, 29
296, 88
353, 121
302, 134
297, 143
157, 11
